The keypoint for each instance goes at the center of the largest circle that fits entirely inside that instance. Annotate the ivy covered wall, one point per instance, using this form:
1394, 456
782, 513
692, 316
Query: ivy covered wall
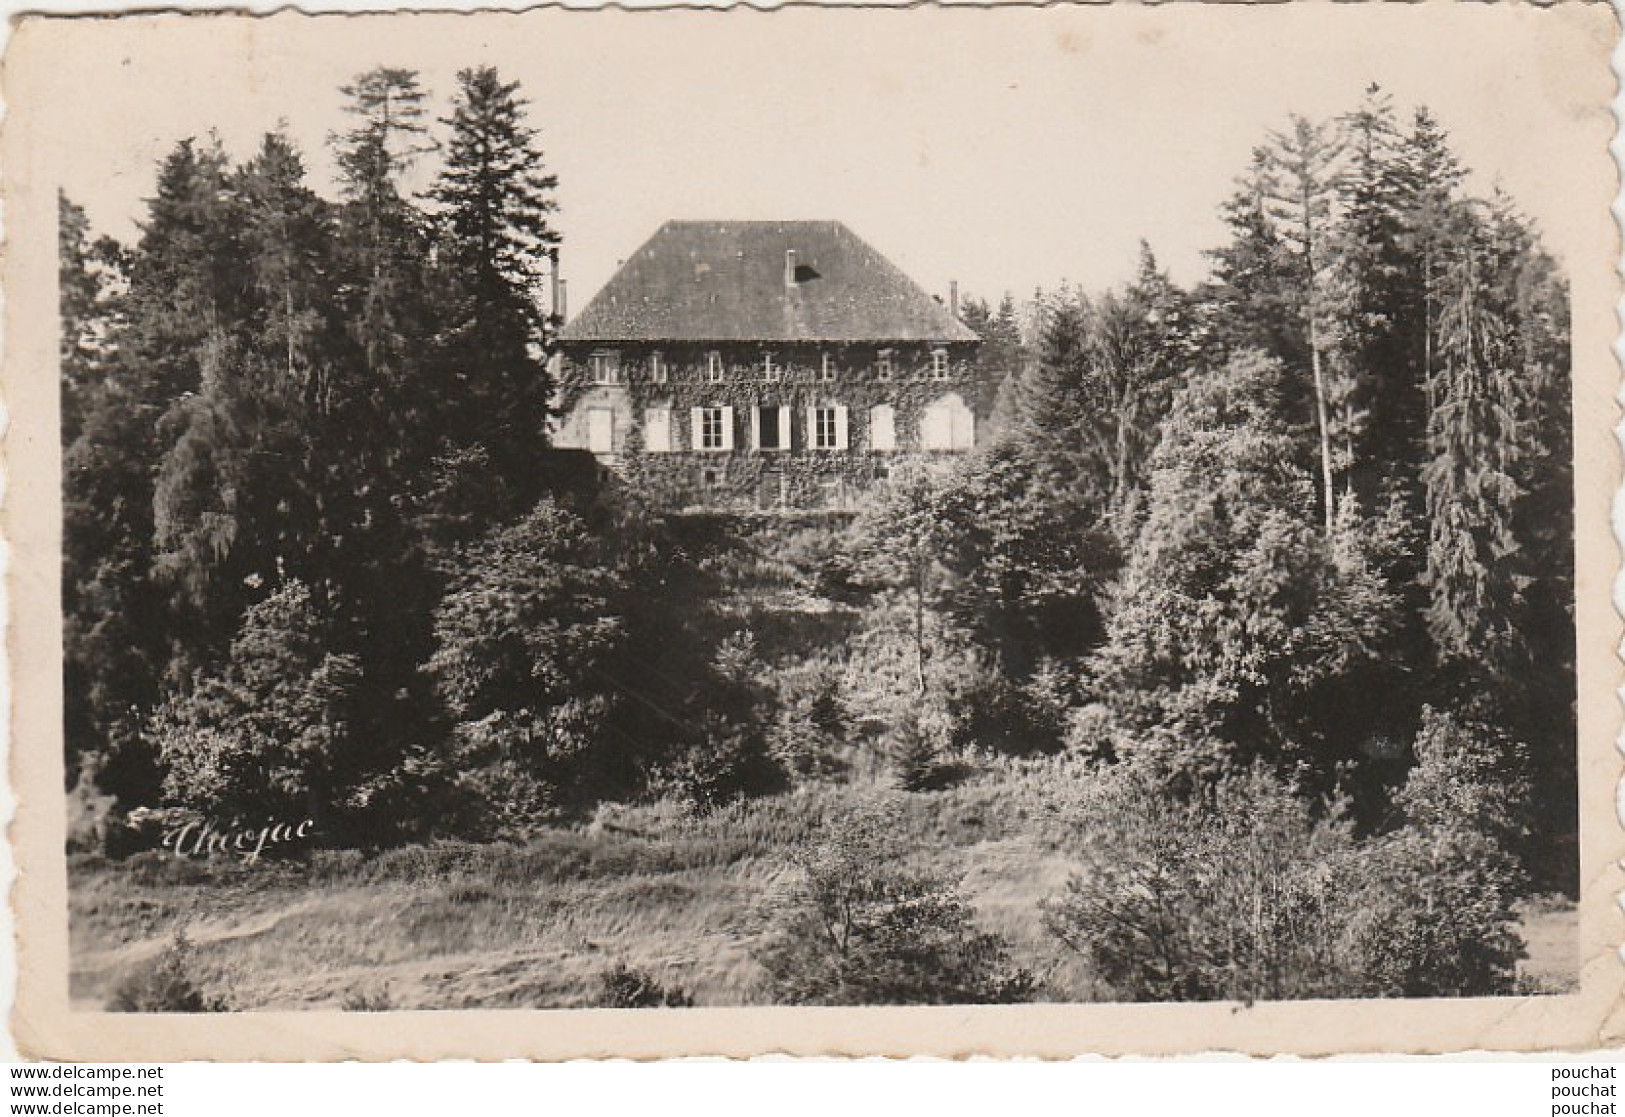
677, 377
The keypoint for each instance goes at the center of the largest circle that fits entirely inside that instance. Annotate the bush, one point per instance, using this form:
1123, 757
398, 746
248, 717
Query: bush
730, 758
916, 757
993, 713
853, 928
807, 736
1218, 899
1439, 917
267, 735
625, 987
1248, 893
1436, 918
166, 985
1467, 774
369, 1000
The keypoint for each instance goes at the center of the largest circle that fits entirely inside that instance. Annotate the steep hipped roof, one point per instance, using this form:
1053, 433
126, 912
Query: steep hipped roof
725, 281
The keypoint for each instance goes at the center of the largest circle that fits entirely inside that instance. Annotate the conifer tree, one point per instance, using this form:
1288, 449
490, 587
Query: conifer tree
236, 490
1053, 405
1378, 407
1300, 196
1001, 358
121, 637
1432, 176
1253, 299
91, 273
496, 244
383, 293
1471, 480
1136, 348
288, 240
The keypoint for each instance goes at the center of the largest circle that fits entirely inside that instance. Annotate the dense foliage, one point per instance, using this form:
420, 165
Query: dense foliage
1250, 892
319, 559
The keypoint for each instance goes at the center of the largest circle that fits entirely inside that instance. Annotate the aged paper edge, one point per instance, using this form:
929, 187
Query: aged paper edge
45, 1027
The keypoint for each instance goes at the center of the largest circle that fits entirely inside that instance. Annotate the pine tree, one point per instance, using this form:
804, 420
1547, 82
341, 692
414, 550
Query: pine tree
237, 491
185, 277
1054, 409
91, 273
1136, 350
121, 638
1300, 196
1378, 411
495, 246
1253, 300
381, 430
1001, 359
1471, 480
288, 240
386, 141
1432, 176
383, 293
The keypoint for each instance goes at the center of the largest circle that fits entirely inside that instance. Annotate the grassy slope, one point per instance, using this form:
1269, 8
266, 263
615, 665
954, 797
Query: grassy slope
464, 926
502, 926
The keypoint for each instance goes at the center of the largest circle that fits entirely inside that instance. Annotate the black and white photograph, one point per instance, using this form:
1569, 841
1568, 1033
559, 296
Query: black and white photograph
1010, 507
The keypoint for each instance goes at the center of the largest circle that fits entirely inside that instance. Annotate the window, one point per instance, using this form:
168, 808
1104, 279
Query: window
883, 364
828, 370
606, 367
770, 368
939, 364
657, 430
657, 367
713, 428
826, 427
771, 427
882, 427
600, 430
713, 367
823, 428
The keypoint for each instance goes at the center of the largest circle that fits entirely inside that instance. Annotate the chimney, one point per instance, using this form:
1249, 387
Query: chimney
789, 267
561, 303
953, 298
557, 285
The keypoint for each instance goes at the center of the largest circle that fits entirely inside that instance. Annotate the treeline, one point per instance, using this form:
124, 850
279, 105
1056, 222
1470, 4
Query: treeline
318, 558
1302, 516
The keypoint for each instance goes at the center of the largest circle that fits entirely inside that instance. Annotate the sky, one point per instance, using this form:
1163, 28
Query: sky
1005, 148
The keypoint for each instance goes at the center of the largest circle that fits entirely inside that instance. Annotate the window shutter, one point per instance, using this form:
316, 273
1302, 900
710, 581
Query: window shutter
727, 428
696, 429
784, 427
812, 428
755, 428
964, 428
657, 430
930, 421
840, 427
600, 430
882, 427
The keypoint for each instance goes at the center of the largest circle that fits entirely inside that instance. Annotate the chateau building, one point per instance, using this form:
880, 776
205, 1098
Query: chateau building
771, 363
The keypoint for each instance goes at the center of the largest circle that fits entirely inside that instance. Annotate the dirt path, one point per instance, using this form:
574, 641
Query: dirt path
200, 933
